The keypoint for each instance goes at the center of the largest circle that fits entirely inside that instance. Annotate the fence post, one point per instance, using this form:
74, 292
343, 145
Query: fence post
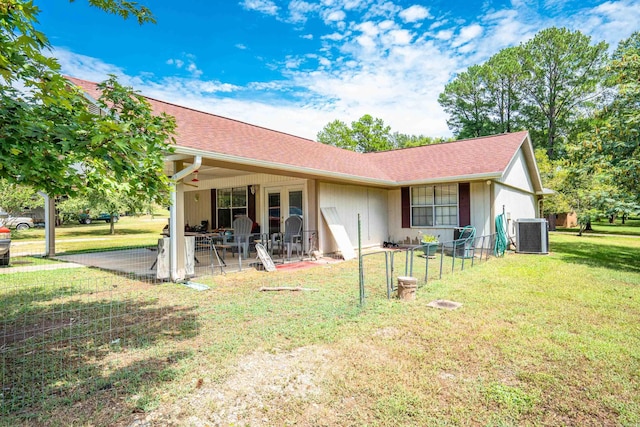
360, 266
441, 259
389, 278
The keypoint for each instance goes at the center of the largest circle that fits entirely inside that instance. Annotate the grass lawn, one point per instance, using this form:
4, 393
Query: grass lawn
129, 231
631, 227
540, 340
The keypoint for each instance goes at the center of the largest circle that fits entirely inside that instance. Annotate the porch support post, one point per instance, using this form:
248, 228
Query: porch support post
177, 233
49, 225
176, 219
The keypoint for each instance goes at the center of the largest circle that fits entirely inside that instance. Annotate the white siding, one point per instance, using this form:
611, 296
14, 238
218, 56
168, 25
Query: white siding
350, 201
196, 211
517, 204
480, 194
399, 234
517, 174
243, 180
197, 207
481, 207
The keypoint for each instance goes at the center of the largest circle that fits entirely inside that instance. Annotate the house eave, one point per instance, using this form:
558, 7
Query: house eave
457, 178
282, 167
545, 192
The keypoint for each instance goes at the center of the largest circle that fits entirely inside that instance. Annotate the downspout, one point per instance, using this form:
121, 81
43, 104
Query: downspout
173, 226
540, 208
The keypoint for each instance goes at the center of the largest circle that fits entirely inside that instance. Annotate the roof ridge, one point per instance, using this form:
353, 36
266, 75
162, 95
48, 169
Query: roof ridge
227, 118
202, 112
439, 144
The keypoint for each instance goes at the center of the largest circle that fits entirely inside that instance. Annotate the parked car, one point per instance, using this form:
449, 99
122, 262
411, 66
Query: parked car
5, 246
86, 218
18, 222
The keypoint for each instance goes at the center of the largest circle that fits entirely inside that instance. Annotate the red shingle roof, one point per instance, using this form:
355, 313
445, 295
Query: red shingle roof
223, 136
478, 156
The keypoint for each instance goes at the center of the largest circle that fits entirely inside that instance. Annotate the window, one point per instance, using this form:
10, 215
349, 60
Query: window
434, 205
231, 203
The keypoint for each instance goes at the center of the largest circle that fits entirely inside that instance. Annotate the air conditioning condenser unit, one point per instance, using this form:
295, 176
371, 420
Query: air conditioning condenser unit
532, 236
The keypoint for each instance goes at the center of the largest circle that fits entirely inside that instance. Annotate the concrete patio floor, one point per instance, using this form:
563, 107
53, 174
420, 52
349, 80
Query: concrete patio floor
141, 262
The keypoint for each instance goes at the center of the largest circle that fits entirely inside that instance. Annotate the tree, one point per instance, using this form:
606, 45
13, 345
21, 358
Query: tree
545, 84
48, 137
371, 134
614, 142
503, 76
465, 100
562, 72
366, 135
338, 134
401, 140
14, 198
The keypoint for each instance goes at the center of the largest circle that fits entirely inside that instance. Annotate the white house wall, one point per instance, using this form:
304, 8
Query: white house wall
480, 194
197, 201
350, 201
516, 175
517, 204
481, 207
197, 207
515, 193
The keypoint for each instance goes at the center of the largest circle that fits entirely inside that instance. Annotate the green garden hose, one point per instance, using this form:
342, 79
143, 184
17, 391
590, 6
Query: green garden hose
501, 236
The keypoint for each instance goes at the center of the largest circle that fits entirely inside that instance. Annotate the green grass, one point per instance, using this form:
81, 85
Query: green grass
631, 227
71, 238
539, 340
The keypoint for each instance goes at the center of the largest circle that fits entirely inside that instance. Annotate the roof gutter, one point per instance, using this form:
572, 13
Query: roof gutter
173, 221
457, 178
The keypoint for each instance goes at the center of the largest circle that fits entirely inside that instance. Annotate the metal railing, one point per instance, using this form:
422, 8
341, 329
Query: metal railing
438, 258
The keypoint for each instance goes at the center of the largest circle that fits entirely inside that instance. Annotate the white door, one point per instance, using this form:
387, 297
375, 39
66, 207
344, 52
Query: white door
280, 203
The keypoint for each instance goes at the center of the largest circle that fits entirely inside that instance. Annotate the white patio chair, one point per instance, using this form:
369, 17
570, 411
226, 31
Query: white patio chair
241, 234
291, 238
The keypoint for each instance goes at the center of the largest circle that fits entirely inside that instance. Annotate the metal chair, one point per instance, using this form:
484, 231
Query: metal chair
241, 234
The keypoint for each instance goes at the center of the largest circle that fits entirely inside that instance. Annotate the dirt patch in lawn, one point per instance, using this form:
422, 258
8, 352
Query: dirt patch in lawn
256, 394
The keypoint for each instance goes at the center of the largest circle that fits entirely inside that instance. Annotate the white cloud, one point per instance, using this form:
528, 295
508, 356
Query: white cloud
85, 67
241, 46
264, 6
401, 37
177, 62
334, 16
299, 10
444, 34
414, 13
467, 34
333, 36
188, 64
368, 28
612, 21
353, 4
383, 9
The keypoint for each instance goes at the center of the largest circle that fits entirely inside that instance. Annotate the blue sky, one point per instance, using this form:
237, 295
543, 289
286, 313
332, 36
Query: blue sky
296, 65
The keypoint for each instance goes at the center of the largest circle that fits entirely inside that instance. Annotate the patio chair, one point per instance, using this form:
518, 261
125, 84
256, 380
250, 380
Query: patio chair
241, 234
292, 236
464, 245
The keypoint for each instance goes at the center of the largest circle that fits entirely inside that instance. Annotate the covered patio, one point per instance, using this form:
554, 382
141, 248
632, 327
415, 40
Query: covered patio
142, 263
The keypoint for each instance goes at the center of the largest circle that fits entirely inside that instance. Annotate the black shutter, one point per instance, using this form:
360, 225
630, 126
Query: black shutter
251, 204
464, 203
406, 207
